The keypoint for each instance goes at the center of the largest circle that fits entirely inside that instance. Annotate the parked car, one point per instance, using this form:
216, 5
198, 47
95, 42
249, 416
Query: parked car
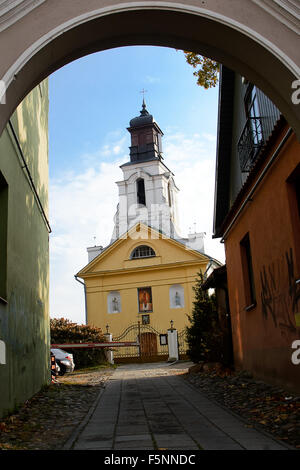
64, 360
55, 369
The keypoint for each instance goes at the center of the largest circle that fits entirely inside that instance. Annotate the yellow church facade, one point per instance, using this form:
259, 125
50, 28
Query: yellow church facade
142, 282
142, 277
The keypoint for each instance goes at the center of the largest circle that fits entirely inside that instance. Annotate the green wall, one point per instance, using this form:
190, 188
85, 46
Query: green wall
24, 252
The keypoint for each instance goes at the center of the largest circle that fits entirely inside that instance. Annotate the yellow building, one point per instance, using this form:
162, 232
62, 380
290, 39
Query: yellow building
145, 276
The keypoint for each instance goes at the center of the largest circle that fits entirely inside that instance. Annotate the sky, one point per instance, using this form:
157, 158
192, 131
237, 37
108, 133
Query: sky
91, 103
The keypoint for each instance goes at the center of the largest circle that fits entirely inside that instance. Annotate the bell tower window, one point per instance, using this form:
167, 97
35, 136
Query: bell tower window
169, 195
141, 196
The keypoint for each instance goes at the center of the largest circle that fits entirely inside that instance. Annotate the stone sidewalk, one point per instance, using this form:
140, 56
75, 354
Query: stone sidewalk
149, 406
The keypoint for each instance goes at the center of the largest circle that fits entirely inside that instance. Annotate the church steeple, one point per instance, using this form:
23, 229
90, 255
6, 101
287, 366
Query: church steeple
148, 192
145, 137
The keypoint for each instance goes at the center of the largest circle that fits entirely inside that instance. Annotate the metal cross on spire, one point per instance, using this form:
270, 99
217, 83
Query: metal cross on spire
143, 91
144, 110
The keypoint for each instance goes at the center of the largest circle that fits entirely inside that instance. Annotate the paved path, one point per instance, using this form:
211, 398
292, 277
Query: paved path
149, 406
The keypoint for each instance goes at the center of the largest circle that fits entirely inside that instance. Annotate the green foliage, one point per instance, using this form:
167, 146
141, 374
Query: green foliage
207, 70
64, 331
204, 336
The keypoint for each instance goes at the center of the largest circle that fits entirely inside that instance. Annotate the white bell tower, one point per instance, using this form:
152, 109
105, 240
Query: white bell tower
148, 192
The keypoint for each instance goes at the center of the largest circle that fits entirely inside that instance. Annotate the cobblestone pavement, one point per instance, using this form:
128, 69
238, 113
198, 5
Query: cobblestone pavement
149, 406
264, 406
46, 420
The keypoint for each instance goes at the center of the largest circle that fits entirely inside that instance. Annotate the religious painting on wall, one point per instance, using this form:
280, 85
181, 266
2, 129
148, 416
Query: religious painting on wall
145, 320
145, 299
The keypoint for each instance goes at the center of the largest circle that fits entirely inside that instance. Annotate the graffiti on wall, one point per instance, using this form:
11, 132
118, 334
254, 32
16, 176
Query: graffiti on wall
280, 295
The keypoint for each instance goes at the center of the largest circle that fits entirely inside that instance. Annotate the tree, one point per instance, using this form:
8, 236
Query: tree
207, 70
204, 336
64, 331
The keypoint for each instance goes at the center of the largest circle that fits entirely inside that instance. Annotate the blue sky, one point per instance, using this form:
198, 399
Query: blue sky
91, 103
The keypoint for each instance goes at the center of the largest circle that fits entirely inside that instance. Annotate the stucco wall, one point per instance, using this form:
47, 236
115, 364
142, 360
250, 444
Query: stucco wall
113, 271
263, 335
24, 319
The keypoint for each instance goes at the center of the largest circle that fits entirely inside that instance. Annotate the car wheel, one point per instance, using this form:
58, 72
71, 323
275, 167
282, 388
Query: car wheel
62, 370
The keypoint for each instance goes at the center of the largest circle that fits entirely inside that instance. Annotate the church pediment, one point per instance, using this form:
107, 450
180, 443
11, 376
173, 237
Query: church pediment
118, 255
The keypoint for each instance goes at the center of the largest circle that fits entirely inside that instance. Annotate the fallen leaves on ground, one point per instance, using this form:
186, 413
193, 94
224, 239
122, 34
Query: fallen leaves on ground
266, 407
46, 420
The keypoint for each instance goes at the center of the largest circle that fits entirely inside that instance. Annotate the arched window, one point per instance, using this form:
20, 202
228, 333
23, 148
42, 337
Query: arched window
169, 194
142, 251
141, 196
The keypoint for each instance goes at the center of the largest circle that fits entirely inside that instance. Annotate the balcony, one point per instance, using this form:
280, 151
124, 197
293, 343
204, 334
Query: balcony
250, 143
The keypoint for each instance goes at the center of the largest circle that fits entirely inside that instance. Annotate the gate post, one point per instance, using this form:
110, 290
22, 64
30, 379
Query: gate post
173, 344
108, 351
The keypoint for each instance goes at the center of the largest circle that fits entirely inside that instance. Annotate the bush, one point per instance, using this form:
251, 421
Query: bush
204, 336
64, 331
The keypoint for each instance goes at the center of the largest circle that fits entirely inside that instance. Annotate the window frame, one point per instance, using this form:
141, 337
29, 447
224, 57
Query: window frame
141, 192
248, 272
139, 247
293, 196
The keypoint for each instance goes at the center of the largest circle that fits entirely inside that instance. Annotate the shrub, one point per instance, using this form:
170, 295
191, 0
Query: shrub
64, 331
204, 335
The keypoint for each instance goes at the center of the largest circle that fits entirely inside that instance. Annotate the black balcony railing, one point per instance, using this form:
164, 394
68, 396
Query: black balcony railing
250, 143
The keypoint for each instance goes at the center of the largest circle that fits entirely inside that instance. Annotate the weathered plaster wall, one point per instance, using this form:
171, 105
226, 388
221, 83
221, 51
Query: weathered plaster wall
263, 335
24, 319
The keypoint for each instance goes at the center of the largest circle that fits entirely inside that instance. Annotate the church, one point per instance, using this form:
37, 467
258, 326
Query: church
146, 274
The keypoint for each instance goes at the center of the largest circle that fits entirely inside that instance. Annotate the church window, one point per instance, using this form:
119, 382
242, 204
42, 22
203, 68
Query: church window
248, 273
142, 251
169, 194
141, 196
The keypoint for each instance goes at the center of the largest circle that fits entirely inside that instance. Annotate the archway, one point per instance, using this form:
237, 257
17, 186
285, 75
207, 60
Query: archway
251, 37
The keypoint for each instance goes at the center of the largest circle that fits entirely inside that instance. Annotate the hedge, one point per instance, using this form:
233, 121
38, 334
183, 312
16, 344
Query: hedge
65, 331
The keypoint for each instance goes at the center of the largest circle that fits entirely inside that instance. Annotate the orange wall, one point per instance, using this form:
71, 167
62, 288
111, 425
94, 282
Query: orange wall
263, 335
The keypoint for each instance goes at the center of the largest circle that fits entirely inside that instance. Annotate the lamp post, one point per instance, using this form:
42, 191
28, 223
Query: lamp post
109, 351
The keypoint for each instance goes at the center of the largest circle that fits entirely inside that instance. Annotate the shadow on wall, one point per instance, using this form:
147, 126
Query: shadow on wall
24, 320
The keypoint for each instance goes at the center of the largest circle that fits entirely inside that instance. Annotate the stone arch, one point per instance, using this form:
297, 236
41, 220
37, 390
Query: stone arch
257, 38
141, 174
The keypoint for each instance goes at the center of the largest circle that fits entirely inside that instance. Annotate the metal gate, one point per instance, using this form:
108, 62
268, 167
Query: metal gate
153, 344
182, 344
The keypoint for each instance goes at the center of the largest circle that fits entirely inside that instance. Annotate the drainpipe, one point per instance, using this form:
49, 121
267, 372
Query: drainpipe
25, 167
85, 305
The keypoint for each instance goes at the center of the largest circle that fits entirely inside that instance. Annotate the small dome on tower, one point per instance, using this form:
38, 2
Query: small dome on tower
144, 118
